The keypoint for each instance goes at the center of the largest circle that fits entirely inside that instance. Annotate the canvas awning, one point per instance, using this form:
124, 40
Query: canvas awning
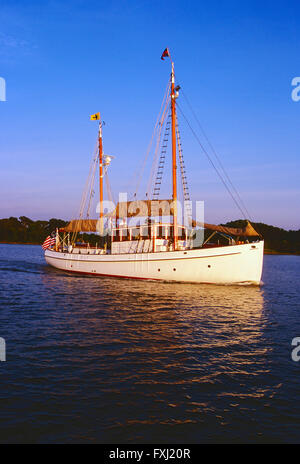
82, 225
247, 231
142, 208
152, 208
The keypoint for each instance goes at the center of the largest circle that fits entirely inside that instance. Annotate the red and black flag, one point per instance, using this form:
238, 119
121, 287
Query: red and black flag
165, 54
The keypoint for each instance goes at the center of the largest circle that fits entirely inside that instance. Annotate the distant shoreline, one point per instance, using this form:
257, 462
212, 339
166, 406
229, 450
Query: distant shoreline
19, 243
271, 252
266, 252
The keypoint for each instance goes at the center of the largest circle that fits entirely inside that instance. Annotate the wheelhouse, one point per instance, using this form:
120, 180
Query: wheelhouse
148, 238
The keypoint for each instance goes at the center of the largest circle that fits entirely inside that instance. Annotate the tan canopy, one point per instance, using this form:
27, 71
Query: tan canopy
93, 225
82, 225
136, 208
247, 231
142, 208
151, 208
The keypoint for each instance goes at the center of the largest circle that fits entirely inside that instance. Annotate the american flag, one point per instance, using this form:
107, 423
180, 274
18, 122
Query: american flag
48, 242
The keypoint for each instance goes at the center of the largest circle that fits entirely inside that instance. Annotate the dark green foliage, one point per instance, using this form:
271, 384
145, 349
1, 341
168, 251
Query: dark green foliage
54, 224
94, 239
24, 230
276, 239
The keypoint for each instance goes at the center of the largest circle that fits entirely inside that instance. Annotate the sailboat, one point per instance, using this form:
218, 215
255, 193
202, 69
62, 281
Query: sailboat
158, 249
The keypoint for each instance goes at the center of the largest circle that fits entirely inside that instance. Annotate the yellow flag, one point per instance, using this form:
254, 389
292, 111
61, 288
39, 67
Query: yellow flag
94, 117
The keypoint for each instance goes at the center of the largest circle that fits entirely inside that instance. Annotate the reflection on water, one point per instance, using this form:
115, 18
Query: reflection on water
111, 360
143, 317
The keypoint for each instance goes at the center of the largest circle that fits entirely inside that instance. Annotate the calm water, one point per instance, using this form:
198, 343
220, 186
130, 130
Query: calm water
100, 360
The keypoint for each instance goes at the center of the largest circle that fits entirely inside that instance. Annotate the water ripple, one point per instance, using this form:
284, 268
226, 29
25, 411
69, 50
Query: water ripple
99, 360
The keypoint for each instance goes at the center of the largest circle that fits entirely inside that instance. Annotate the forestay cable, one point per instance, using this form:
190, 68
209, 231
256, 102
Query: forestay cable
216, 156
212, 163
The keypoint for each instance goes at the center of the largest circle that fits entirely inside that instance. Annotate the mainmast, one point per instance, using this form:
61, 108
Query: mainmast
174, 157
165, 54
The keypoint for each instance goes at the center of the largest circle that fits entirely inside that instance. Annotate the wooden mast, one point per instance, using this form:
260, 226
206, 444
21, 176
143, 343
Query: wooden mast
174, 160
101, 176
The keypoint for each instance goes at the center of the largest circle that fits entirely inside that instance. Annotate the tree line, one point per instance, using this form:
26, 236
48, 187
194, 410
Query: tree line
276, 239
25, 230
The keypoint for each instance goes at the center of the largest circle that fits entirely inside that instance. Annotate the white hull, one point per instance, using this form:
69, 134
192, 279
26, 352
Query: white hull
236, 264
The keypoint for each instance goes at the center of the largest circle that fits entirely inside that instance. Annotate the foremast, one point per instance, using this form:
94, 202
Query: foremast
97, 117
100, 175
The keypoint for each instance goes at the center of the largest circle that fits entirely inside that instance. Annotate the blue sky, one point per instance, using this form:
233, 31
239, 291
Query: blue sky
63, 61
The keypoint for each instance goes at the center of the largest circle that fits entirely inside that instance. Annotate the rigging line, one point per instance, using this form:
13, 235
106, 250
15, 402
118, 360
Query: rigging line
158, 142
211, 162
157, 128
160, 127
184, 183
181, 183
162, 159
90, 188
182, 164
86, 188
142, 169
110, 197
216, 156
91, 193
108, 189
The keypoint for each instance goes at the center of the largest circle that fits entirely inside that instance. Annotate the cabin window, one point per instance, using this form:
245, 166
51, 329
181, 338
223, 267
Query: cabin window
135, 233
181, 233
116, 235
125, 233
161, 232
145, 232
